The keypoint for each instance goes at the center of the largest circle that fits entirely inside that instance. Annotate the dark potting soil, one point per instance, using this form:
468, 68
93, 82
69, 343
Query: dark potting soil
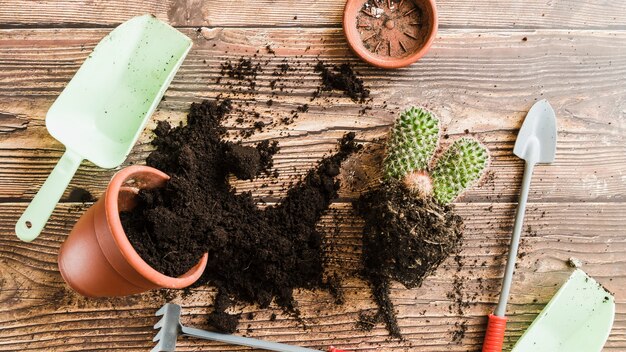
344, 79
80, 195
239, 77
405, 238
255, 255
243, 70
368, 319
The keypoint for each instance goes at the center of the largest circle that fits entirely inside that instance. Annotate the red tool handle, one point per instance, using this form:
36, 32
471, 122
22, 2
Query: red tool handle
494, 338
333, 349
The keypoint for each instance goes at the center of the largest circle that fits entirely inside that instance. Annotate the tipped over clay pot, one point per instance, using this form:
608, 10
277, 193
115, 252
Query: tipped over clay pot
390, 33
97, 260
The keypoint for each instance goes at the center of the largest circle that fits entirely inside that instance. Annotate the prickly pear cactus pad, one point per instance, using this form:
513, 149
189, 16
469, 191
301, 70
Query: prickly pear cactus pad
413, 140
458, 168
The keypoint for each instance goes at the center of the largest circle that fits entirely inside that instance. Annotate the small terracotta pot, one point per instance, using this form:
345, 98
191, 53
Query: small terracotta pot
97, 260
350, 14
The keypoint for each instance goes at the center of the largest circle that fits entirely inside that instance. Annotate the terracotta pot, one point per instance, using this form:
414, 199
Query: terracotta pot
351, 11
97, 260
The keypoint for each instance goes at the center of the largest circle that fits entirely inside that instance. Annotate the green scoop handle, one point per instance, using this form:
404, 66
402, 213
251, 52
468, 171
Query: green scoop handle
34, 218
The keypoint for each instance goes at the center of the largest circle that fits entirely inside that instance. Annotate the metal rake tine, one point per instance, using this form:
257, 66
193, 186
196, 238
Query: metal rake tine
158, 336
156, 348
161, 345
171, 327
159, 324
157, 339
168, 328
161, 310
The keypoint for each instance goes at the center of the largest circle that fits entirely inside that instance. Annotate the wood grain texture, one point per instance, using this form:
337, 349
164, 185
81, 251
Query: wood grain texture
37, 311
491, 61
480, 82
319, 13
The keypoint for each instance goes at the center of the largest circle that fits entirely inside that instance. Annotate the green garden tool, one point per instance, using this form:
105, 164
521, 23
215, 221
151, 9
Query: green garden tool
103, 109
577, 319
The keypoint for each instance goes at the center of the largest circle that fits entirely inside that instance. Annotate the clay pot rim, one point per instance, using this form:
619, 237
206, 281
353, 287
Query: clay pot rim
124, 245
353, 38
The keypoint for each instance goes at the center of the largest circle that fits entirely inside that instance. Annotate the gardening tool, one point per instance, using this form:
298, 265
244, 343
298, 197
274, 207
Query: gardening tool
170, 327
536, 143
577, 319
103, 109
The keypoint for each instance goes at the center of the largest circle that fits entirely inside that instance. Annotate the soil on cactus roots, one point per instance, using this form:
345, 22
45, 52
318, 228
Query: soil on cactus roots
255, 255
405, 239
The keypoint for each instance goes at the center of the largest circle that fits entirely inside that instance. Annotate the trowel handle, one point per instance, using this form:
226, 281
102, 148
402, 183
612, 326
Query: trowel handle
507, 279
33, 220
494, 338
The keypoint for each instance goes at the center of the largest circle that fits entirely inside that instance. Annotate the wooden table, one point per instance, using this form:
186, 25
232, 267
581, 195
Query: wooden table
490, 62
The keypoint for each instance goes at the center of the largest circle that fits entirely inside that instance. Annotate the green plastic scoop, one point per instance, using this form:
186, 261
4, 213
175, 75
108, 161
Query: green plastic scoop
577, 319
103, 109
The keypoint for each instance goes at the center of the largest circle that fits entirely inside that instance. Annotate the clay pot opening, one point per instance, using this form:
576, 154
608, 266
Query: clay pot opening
97, 259
400, 53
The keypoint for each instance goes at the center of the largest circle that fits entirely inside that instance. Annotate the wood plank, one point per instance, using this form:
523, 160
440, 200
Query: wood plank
38, 311
476, 81
294, 13
22, 173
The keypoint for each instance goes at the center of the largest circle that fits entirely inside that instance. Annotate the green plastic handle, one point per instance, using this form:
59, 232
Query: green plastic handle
33, 220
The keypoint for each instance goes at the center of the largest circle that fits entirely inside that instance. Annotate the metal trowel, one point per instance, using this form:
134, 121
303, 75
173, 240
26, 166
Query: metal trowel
536, 143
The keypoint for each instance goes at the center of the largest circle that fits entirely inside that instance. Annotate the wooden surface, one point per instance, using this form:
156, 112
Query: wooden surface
490, 62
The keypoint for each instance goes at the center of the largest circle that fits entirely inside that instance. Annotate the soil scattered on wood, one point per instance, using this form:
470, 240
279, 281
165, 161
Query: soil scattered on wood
368, 319
80, 195
255, 256
405, 238
460, 299
344, 79
244, 69
246, 85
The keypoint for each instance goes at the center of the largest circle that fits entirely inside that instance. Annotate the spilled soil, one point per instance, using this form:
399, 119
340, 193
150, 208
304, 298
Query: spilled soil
344, 79
261, 102
255, 255
405, 239
259, 256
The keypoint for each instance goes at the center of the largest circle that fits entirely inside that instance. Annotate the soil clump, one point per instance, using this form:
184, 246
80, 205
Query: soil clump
405, 239
256, 256
342, 78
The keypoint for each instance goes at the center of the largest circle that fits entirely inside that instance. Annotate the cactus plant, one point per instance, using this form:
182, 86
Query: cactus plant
410, 226
412, 143
459, 166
